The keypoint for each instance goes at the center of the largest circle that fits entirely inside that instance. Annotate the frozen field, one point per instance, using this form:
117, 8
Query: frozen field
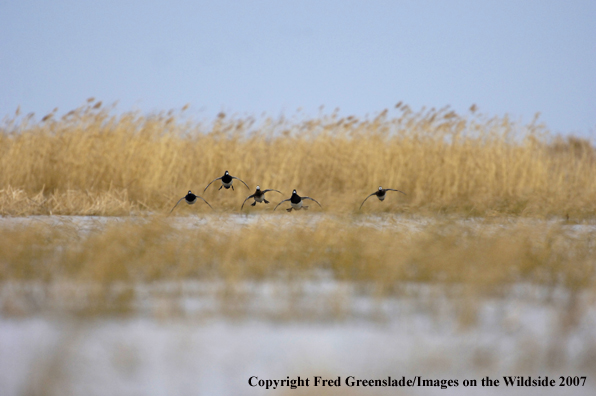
154, 353
226, 221
209, 338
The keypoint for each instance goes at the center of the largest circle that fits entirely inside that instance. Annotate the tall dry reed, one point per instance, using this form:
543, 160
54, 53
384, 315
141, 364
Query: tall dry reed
477, 255
94, 162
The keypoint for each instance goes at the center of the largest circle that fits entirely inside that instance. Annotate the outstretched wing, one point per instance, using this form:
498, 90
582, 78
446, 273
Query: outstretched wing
241, 181
390, 189
366, 199
312, 200
270, 189
281, 203
219, 178
249, 197
176, 205
205, 201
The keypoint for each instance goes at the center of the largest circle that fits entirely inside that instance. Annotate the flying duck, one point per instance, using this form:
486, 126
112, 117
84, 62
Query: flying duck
380, 193
190, 199
226, 181
259, 196
296, 202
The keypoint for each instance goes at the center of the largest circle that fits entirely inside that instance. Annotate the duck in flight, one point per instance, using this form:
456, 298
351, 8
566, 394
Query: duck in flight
380, 193
296, 202
226, 181
259, 196
190, 199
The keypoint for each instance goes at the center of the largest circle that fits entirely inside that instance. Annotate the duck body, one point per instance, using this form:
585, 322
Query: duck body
226, 181
296, 202
258, 196
380, 193
190, 199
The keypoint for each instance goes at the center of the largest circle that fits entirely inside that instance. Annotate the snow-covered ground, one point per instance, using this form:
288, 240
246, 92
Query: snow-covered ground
203, 338
190, 344
139, 356
226, 221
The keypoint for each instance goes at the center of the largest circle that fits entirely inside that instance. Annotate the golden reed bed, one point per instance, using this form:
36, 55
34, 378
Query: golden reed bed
476, 255
91, 162
47, 267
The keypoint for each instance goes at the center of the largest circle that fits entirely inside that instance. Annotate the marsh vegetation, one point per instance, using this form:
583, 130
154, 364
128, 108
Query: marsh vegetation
494, 237
94, 162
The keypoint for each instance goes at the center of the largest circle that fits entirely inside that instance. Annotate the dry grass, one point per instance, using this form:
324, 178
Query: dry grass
152, 249
92, 162
96, 271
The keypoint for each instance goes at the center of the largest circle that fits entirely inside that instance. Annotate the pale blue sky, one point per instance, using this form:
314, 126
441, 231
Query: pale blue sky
247, 57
